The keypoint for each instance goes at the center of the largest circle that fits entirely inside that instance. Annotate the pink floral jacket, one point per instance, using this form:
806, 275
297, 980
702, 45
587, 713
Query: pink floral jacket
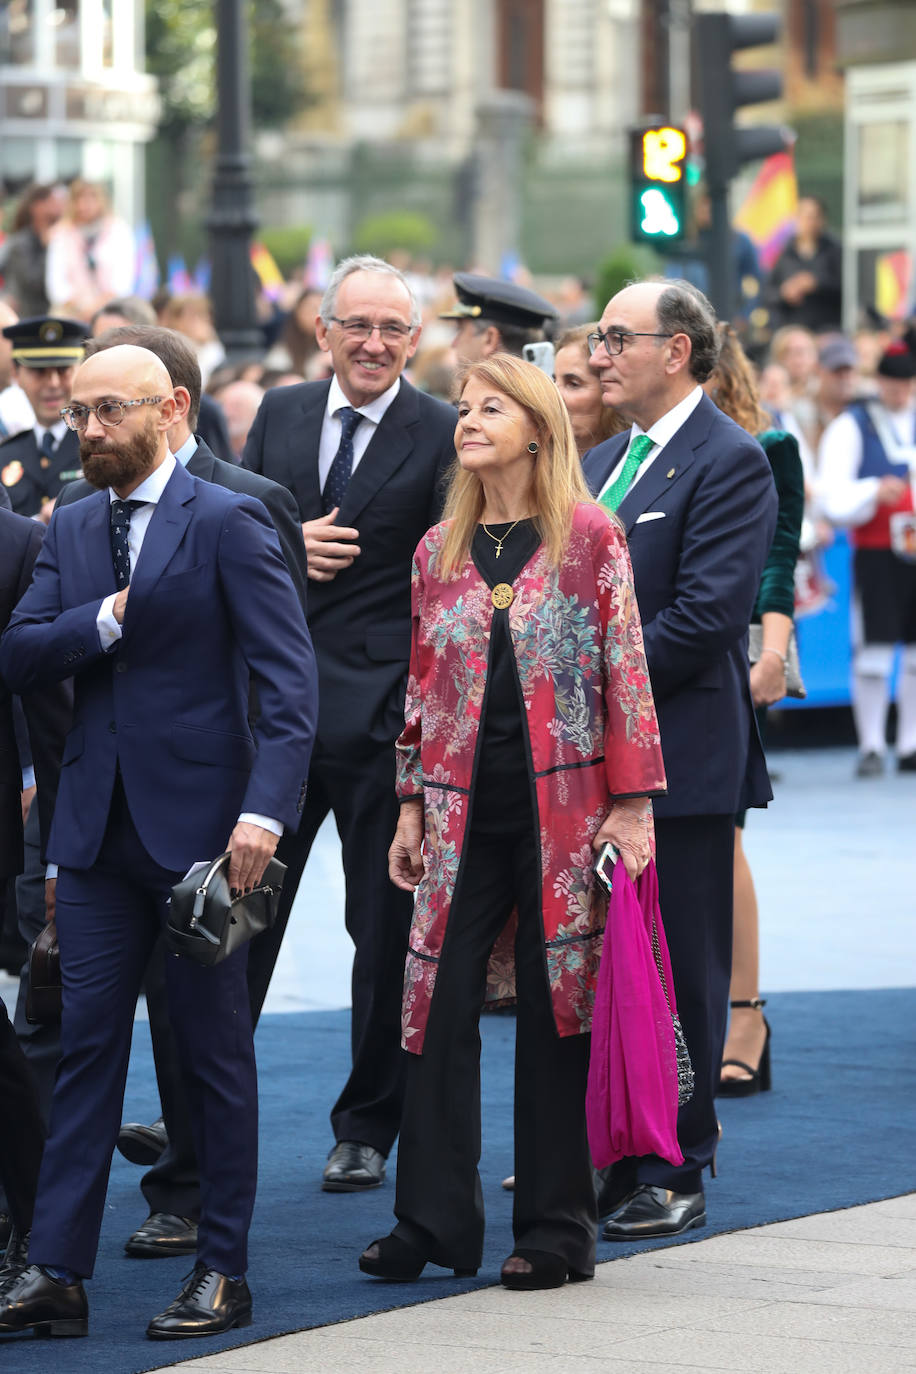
592, 734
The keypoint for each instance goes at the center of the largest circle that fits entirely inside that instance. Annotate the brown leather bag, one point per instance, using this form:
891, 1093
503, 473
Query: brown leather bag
43, 1003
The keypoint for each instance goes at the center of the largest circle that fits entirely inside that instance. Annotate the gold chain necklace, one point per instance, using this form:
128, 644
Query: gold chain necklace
498, 540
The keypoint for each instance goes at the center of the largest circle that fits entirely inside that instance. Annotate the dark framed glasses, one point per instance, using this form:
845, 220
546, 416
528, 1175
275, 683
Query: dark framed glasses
615, 339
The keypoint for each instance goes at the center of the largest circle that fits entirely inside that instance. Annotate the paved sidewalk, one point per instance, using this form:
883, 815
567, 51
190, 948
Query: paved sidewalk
833, 1293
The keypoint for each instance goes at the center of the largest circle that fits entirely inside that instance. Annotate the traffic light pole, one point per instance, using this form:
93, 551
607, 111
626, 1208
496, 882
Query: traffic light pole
721, 262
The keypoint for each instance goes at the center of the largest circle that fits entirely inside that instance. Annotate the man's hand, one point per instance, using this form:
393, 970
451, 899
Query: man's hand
630, 828
405, 857
251, 848
891, 490
329, 547
50, 899
120, 605
28, 796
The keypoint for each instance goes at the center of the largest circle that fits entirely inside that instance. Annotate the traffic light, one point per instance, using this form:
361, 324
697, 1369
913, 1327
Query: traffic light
659, 181
722, 90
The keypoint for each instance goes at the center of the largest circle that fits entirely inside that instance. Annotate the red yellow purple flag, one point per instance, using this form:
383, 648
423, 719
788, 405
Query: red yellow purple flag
768, 212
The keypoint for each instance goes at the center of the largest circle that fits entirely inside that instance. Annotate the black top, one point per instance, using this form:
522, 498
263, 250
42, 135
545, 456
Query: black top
502, 794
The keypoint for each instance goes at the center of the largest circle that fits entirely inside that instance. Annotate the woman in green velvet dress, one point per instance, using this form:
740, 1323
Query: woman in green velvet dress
746, 1058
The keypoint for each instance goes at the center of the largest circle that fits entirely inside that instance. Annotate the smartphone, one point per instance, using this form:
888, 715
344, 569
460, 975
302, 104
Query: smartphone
541, 354
604, 866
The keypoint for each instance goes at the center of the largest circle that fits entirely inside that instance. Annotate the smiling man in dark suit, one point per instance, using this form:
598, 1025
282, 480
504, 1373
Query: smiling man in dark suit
364, 455
696, 496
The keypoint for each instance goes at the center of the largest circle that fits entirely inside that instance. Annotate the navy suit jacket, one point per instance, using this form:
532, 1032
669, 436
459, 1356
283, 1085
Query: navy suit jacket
360, 620
168, 704
47, 711
699, 524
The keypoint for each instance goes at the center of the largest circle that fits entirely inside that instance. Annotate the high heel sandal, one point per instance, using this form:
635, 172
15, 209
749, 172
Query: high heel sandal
397, 1260
547, 1271
760, 1080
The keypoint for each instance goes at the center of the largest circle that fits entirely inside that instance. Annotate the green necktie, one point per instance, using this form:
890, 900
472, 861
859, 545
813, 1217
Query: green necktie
639, 449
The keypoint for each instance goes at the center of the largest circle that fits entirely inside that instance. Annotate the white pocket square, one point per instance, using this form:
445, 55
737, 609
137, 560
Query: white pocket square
650, 515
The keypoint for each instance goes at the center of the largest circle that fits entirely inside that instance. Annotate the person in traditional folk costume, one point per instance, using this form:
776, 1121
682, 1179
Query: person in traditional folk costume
530, 741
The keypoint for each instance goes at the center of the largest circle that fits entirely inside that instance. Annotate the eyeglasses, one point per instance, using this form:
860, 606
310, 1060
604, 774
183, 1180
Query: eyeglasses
361, 330
614, 339
109, 413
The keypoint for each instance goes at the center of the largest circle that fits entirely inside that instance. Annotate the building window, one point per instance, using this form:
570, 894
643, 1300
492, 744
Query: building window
883, 171
17, 33
65, 21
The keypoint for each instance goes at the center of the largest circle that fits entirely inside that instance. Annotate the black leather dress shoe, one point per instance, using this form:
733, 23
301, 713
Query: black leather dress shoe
143, 1144
209, 1304
15, 1257
352, 1167
653, 1211
52, 1308
161, 1235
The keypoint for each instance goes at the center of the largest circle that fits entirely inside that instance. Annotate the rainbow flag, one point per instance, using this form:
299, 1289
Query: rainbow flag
768, 212
269, 274
893, 283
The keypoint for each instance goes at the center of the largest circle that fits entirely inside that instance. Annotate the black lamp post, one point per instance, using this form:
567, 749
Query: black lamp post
232, 217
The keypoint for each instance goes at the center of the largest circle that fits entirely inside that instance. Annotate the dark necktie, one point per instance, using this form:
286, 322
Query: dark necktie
639, 450
47, 449
120, 548
339, 474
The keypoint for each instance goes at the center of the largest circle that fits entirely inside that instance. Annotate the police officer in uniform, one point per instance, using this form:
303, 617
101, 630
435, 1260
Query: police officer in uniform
496, 317
35, 464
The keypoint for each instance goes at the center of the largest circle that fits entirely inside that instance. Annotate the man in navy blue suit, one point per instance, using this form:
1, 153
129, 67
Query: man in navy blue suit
161, 596
696, 496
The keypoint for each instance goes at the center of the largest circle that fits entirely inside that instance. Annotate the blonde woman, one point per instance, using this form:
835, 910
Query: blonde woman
530, 740
91, 254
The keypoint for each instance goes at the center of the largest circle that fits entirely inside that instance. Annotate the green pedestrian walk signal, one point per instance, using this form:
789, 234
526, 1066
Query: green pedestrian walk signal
658, 162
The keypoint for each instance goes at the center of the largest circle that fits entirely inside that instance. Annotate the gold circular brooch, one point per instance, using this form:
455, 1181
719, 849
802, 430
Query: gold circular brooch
502, 596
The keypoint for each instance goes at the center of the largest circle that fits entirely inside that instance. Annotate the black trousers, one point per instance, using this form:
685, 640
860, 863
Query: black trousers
439, 1204
695, 861
22, 1131
41, 1043
361, 794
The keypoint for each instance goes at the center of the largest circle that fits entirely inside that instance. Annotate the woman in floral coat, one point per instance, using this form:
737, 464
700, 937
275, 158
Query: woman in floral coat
530, 741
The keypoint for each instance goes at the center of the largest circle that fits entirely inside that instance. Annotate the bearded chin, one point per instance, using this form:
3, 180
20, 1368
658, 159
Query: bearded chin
121, 466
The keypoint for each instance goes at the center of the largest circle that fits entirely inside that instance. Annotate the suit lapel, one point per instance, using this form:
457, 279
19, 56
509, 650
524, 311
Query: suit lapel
95, 544
389, 446
673, 461
303, 441
164, 533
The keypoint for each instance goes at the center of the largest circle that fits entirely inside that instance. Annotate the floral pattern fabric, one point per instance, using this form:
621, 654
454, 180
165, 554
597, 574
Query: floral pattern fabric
592, 735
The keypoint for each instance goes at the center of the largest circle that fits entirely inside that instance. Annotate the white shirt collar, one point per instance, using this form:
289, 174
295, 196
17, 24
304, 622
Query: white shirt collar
184, 454
665, 428
58, 430
152, 487
373, 411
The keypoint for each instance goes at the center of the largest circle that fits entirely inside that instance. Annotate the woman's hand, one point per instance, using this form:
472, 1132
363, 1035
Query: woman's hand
405, 858
768, 680
630, 828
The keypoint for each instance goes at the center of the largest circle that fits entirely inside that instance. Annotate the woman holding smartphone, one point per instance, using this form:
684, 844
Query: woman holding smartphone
530, 741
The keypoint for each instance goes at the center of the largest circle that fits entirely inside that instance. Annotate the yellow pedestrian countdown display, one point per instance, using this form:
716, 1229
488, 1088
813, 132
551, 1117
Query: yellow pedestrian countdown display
659, 181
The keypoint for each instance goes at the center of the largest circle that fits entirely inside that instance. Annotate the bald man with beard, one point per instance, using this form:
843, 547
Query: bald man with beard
159, 595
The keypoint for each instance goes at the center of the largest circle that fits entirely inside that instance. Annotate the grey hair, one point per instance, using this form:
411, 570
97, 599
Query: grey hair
364, 262
682, 309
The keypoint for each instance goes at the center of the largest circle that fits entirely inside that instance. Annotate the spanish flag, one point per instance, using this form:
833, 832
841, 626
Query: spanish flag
768, 212
269, 274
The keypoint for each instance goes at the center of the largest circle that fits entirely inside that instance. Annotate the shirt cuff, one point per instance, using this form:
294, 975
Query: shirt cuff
28, 778
108, 628
50, 872
265, 822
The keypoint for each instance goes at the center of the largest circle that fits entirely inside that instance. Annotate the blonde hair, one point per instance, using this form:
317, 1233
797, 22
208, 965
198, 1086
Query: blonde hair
734, 386
78, 185
557, 483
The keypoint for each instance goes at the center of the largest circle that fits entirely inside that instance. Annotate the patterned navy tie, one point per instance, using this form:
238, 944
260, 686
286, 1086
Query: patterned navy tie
339, 474
120, 548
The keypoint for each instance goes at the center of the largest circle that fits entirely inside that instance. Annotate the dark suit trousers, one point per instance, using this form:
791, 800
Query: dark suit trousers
439, 1204
362, 797
108, 920
695, 862
41, 1043
22, 1131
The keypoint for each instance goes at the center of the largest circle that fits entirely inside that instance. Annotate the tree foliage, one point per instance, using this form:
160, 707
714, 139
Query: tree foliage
181, 54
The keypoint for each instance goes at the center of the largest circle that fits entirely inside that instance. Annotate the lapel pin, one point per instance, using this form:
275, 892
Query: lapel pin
671, 472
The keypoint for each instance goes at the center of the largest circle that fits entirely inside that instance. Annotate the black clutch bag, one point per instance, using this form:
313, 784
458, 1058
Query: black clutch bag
43, 999
205, 923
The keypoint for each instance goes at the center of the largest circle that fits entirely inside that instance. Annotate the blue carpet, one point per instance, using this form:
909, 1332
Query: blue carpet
836, 1131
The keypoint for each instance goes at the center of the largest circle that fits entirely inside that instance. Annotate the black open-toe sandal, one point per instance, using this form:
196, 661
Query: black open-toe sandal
547, 1271
397, 1260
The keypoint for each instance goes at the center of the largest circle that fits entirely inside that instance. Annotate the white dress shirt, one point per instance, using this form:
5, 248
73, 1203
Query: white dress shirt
58, 430
330, 426
661, 433
846, 498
